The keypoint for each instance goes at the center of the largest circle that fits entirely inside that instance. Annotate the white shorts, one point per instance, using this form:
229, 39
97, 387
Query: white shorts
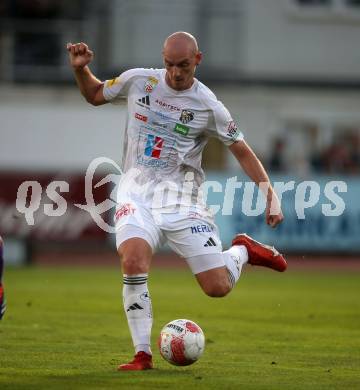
190, 235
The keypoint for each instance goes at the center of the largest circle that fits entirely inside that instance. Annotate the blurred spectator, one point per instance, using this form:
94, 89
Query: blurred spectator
343, 155
336, 158
354, 152
277, 161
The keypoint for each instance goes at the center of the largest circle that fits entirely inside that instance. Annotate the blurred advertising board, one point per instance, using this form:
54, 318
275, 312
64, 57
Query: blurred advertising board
322, 214
42, 206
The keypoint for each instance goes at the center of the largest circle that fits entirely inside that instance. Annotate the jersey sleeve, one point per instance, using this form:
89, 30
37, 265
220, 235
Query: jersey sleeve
119, 86
222, 125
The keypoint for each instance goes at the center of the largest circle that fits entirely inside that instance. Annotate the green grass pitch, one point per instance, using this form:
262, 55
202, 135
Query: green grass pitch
65, 329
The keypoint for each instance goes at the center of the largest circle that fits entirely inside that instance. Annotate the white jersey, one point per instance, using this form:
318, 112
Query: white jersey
167, 130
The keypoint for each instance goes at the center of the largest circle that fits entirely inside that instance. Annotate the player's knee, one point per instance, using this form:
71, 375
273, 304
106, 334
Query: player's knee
217, 290
134, 264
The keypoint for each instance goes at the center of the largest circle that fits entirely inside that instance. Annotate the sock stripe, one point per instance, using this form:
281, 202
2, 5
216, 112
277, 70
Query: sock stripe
135, 280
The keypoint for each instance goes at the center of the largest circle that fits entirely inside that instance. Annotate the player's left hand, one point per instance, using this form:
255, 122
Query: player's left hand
274, 215
79, 54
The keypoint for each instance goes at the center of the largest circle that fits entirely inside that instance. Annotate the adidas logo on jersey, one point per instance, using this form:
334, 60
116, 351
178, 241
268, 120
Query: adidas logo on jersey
210, 242
135, 306
144, 101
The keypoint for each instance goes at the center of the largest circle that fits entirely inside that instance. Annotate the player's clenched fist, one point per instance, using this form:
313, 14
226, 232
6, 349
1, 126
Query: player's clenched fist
80, 55
274, 215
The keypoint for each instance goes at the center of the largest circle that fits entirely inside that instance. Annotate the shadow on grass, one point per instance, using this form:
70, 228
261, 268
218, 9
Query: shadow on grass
156, 378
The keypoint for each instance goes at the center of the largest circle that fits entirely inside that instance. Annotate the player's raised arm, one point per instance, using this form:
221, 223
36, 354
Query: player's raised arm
91, 88
255, 170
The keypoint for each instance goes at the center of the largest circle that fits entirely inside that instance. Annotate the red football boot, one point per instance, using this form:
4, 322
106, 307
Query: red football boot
261, 254
141, 361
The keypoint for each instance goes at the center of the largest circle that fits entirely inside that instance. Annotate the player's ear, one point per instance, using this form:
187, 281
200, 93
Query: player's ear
198, 57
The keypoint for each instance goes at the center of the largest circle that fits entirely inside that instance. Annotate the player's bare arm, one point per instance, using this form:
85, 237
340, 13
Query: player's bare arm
255, 170
80, 57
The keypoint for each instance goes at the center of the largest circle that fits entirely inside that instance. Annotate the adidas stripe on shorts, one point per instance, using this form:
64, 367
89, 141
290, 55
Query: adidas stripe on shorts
188, 234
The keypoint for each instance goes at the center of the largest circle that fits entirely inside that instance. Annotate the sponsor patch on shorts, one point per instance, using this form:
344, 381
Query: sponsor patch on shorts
124, 210
201, 228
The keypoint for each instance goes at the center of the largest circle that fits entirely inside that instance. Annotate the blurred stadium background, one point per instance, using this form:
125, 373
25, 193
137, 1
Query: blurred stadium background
288, 70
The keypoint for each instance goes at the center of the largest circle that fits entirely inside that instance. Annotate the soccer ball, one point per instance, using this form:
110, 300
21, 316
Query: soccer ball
181, 342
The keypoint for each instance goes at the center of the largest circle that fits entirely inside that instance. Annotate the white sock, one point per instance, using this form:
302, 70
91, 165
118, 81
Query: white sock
137, 306
234, 259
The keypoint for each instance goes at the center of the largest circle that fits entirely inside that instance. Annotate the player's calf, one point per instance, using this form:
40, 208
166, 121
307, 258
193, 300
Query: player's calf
215, 282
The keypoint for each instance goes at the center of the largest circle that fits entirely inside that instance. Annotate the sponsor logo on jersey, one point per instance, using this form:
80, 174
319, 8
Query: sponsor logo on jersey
232, 130
201, 229
144, 101
168, 106
159, 124
141, 117
181, 129
150, 84
186, 116
153, 146
112, 82
124, 210
163, 116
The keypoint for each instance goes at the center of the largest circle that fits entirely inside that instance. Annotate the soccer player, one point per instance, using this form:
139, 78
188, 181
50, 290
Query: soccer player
2, 295
170, 117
